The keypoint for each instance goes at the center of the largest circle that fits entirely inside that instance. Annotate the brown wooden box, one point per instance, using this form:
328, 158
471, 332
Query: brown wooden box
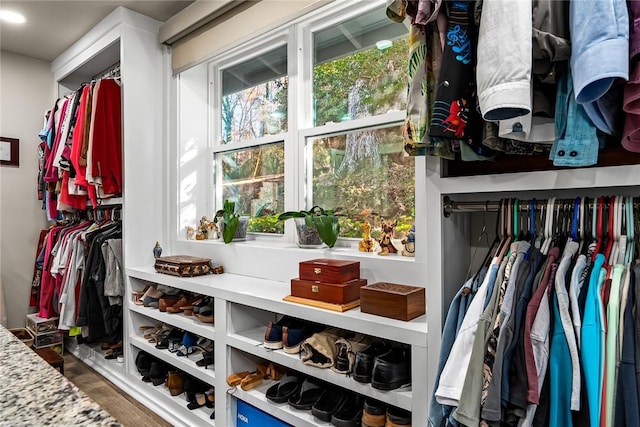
183, 265
392, 300
334, 293
328, 270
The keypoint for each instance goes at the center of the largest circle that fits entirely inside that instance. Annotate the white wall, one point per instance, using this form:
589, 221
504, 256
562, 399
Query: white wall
26, 91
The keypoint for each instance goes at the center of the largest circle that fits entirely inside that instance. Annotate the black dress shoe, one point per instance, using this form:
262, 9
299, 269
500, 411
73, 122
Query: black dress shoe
330, 401
392, 370
349, 414
363, 365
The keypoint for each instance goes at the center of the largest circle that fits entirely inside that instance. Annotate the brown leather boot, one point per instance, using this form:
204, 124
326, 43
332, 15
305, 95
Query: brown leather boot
165, 302
175, 383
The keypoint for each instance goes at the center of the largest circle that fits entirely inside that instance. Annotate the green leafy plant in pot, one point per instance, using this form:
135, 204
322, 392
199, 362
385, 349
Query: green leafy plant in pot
323, 221
230, 220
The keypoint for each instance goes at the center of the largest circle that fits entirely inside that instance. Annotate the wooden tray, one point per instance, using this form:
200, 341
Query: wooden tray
321, 304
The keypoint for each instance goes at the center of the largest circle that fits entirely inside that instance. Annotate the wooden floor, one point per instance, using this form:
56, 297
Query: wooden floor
121, 406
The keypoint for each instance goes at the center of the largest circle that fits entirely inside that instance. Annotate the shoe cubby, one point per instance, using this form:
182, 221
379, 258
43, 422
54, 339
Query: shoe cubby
286, 412
187, 363
177, 405
249, 336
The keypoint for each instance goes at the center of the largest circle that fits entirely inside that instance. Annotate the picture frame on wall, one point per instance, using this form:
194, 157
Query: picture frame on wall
9, 152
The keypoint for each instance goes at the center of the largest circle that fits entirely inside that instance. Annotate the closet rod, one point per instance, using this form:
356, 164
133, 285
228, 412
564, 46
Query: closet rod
449, 206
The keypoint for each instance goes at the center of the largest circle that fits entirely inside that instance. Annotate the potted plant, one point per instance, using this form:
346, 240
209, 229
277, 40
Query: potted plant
323, 222
232, 225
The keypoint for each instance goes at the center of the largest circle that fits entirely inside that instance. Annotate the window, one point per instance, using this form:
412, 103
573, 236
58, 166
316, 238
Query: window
311, 114
253, 113
364, 174
359, 68
254, 97
254, 179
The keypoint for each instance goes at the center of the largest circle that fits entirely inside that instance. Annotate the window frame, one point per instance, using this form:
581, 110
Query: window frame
298, 35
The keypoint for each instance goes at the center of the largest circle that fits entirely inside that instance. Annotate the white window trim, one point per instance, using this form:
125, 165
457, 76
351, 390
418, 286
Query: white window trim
298, 36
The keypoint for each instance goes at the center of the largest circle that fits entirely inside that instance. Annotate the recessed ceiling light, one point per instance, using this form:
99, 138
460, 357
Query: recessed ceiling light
384, 44
12, 17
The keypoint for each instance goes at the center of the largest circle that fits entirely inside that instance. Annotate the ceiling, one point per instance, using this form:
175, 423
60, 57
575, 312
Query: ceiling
52, 26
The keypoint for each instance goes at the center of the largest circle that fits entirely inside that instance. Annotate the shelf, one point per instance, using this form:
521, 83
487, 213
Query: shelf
185, 364
181, 321
94, 357
251, 342
257, 397
268, 295
177, 405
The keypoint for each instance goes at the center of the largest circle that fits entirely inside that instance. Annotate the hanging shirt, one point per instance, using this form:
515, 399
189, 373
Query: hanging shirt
493, 403
504, 59
469, 406
613, 315
627, 412
592, 350
577, 281
454, 371
599, 55
562, 301
449, 333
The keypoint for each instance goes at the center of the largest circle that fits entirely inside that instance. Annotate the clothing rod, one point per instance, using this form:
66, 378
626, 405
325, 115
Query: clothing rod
450, 206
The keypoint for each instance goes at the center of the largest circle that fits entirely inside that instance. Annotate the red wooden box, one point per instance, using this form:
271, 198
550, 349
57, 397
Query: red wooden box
334, 293
327, 270
392, 300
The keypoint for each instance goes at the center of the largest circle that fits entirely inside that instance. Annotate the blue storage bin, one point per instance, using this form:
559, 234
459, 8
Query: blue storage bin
250, 416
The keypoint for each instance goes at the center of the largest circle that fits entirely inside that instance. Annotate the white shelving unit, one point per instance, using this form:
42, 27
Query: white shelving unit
244, 305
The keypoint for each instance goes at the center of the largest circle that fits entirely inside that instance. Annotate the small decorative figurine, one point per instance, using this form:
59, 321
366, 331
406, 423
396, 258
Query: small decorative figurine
200, 235
386, 234
410, 243
157, 250
191, 232
212, 231
367, 243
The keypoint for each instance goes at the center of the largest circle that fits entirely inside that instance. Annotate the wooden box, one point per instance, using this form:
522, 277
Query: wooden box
392, 300
183, 265
334, 293
329, 270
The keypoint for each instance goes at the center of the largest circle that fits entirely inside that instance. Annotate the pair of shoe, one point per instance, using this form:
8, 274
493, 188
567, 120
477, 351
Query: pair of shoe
175, 382
203, 309
386, 367
340, 407
288, 333
377, 414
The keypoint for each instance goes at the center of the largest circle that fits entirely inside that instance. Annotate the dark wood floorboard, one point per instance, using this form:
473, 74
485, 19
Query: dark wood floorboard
120, 405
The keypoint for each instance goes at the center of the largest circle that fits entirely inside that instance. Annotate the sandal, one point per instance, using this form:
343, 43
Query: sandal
251, 381
310, 392
234, 380
287, 387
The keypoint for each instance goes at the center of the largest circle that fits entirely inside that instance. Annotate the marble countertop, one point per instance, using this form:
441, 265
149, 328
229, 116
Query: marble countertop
32, 393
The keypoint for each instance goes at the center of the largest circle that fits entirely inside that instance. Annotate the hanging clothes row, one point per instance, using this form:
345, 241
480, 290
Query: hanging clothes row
547, 332
79, 276
81, 149
520, 77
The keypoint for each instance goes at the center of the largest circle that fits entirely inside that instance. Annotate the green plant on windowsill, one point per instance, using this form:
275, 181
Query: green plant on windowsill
323, 221
230, 220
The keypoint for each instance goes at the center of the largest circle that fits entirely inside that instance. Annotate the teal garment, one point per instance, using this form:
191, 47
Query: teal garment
592, 350
560, 373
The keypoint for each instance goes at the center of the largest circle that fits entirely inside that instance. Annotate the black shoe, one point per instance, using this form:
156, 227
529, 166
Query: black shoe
158, 373
392, 370
363, 366
206, 360
399, 416
143, 363
350, 412
330, 401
